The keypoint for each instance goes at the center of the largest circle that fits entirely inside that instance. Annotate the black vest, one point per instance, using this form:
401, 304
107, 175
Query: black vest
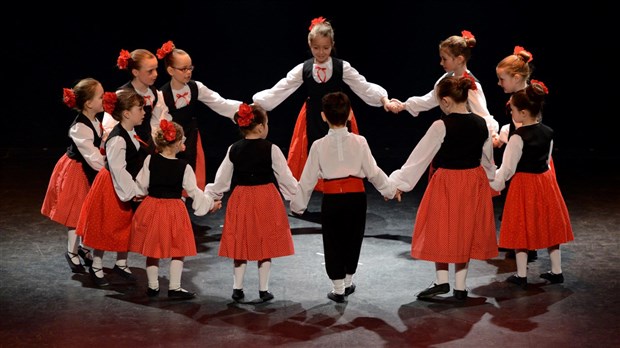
134, 158
536, 146
166, 177
462, 145
252, 161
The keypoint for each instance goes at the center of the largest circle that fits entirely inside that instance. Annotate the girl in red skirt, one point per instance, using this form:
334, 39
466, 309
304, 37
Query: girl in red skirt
455, 221
76, 169
535, 215
161, 227
105, 218
256, 225
319, 75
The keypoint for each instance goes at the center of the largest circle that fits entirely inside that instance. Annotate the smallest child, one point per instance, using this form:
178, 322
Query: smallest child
161, 227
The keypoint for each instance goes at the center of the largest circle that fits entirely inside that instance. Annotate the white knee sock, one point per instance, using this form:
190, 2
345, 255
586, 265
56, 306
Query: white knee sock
152, 272
556, 259
338, 286
441, 273
460, 276
264, 268
176, 268
348, 280
521, 258
98, 262
72, 241
239, 273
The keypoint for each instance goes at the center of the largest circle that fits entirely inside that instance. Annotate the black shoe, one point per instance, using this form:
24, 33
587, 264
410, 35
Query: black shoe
349, 290
84, 254
74, 268
181, 294
238, 295
553, 278
434, 290
98, 281
335, 297
532, 255
265, 296
520, 281
152, 292
460, 295
120, 271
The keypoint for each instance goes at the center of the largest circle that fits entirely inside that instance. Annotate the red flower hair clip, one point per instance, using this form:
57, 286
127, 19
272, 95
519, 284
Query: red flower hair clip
519, 49
109, 102
170, 132
246, 115
473, 81
122, 59
316, 21
68, 97
536, 82
466, 34
165, 49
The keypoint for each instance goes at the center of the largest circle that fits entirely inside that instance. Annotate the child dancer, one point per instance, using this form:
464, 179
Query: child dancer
321, 74
256, 224
183, 97
76, 169
142, 65
535, 215
455, 52
105, 218
161, 227
343, 160
455, 221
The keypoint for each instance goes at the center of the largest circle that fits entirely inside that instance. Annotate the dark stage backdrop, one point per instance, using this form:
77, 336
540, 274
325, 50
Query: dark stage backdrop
241, 47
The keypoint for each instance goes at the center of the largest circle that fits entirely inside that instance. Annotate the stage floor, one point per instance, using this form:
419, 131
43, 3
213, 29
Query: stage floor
43, 304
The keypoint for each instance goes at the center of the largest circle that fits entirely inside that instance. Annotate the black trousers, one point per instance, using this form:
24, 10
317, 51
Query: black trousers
343, 219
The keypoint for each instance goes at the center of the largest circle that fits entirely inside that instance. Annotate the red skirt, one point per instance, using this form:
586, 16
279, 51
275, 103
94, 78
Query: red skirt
161, 228
535, 214
105, 221
66, 191
455, 220
256, 225
298, 151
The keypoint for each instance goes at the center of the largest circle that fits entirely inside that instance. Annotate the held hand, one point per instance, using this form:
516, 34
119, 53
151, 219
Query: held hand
395, 106
217, 205
398, 195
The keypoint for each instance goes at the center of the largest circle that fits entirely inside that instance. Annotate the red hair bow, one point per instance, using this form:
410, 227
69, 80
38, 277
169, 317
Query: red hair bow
466, 34
519, 49
246, 116
536, 82
170, 132
109, 102
316, 21
165, 49
122, 59
473, 81
68, 97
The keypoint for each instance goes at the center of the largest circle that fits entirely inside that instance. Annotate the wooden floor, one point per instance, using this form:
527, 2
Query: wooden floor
43, 304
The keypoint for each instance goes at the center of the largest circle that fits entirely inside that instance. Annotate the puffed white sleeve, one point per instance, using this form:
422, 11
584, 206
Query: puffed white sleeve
160, 111
201, 201
84, 139
286, 181
409, 174
212, 99
223, 178
417, 104
108, 123
124, 184
309, 177
512, 156
370, 93
143, 178
272, 97
487, 160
